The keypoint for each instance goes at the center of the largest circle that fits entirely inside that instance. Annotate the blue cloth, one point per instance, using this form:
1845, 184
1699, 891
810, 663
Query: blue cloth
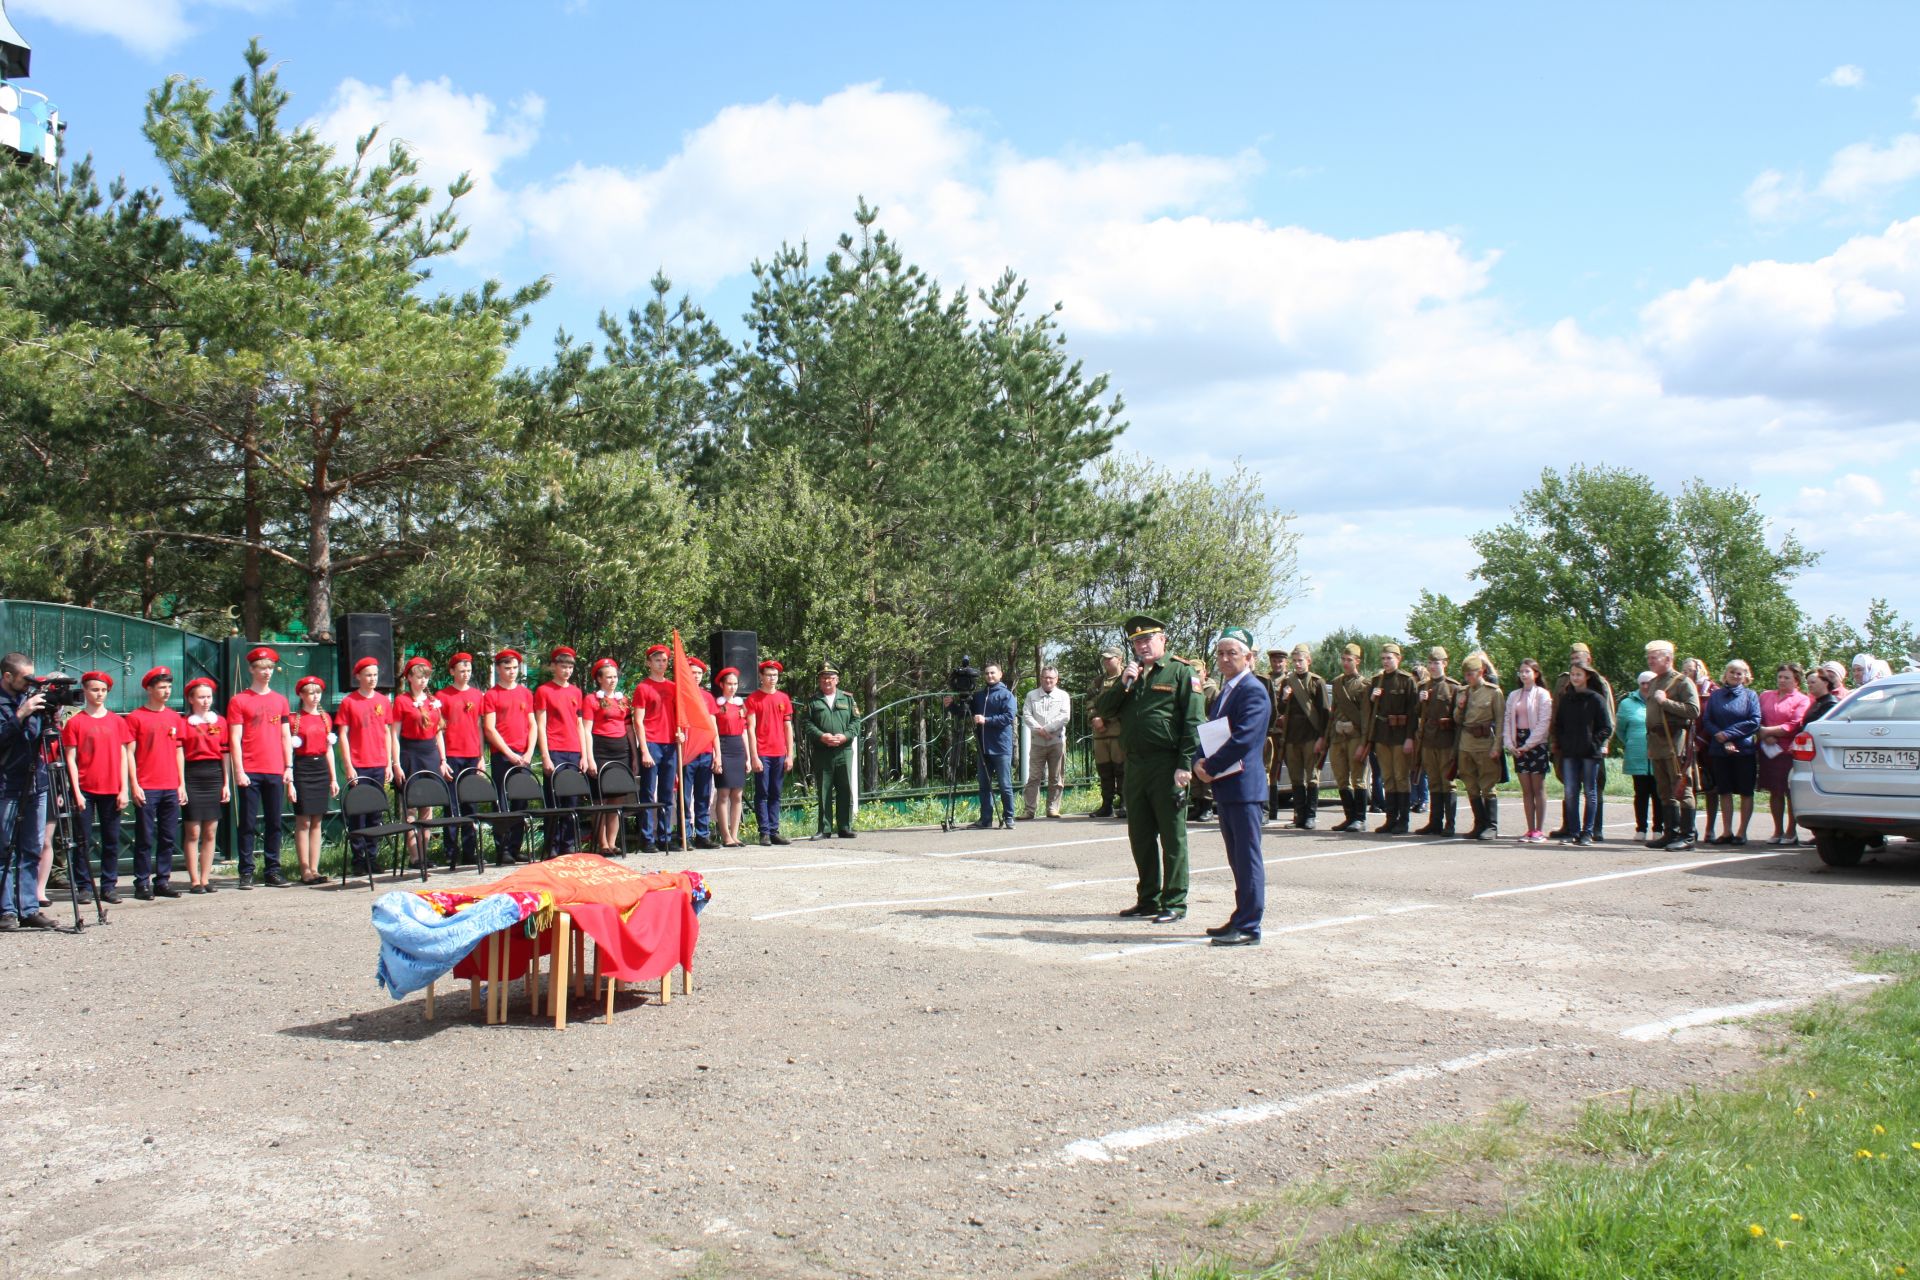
1240, 825
996, 776
1735, 711
1580, 776
418, 944
23, 825
995, 702
1247, 710
21, 768
766, 792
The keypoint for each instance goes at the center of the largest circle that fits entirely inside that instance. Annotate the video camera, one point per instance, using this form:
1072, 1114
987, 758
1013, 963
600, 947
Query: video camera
963, 678
59, 691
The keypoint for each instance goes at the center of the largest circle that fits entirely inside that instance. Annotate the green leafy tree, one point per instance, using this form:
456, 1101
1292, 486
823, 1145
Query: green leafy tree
1435, 619
1746, 582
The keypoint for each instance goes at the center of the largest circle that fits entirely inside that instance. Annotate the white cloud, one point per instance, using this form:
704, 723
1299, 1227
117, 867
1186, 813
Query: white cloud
148, 27
1850, 494
1844, 76
1858, 179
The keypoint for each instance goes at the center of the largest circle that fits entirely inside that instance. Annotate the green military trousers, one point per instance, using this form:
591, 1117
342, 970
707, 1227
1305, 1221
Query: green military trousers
833, 785
1157, 830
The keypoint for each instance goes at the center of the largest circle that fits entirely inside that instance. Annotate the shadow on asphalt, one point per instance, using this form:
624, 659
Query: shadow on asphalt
1897, 866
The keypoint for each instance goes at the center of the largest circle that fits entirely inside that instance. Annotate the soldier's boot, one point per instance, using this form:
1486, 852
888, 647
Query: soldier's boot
1669, 825
1436, 817
1106, 791
1359, 814
1479, 808
1406, 814
1312, 807
1491, 807
1346, 811
1389, 806
1453, 813
1685, 839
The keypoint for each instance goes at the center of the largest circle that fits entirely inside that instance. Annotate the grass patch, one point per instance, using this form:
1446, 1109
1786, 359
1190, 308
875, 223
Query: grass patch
1812, 1168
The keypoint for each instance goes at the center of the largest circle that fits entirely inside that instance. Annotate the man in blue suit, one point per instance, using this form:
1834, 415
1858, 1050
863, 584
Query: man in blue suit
1240, 796
994, 714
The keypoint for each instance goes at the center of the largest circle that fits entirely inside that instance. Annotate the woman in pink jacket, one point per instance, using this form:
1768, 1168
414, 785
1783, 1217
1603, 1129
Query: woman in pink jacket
1783, 711
1529, 717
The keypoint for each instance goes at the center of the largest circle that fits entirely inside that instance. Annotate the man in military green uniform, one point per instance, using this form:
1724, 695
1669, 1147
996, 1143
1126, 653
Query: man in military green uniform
1393, 713
1109, 753
833, 722
1275, 754
1306, 704
1157, 702
1346, 733
1439, 741
1479, 710
1673, 704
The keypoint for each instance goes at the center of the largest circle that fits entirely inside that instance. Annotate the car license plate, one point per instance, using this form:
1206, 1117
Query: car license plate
1881, 758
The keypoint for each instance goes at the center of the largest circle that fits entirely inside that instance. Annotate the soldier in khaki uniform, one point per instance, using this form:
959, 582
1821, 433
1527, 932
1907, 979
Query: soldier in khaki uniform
1673, 704
1306, 705
1275, 753
1109, 753
1393, 721
1438, 741
1479, 709
1348, 693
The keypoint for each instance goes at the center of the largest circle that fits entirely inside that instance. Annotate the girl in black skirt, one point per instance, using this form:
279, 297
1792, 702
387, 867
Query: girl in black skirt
419, 732
730, 773
609, 717
315, 780
208, 789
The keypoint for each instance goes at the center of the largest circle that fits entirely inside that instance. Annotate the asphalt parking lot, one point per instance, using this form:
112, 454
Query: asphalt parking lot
915, 1053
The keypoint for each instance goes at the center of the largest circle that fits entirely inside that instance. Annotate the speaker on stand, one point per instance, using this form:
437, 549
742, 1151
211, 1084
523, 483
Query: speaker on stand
367, 635
739, 650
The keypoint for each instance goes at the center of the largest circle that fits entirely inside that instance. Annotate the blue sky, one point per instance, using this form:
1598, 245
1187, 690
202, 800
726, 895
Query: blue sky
1397, 257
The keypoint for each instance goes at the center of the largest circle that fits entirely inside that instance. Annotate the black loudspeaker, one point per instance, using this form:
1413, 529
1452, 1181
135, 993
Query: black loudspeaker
737, 649
366, 635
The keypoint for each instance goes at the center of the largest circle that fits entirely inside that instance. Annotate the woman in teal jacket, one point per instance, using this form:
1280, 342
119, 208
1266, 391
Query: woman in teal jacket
1631, 718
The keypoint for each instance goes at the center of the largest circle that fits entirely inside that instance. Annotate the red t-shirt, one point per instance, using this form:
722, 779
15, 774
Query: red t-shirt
312, 732
156, 742
207, 741
259, 716
462, 710
562, 705
609, 713
419, 721
771, 712
656, 702
96, 742
731, 717
512, 711
364, 719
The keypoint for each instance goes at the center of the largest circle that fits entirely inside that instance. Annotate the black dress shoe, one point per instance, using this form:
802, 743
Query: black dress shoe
1236, 939
1137, 910
701, 842
765, 839
9, 923
246, 882
39, 920
275, 880
111, 897
1168, 917
777, 838
164, 890
142, 894
985, 824
1220, 930
846, 835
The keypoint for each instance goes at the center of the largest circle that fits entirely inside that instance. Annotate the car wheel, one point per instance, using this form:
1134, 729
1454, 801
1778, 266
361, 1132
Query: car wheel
1839, 848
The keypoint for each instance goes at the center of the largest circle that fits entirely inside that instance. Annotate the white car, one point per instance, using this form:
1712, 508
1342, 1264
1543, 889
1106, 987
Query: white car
1856, 772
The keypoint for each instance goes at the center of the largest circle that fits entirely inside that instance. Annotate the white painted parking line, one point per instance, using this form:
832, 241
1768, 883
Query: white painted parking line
1702, 1017
809, 866
1021, 848
890, 902
1627, 875
1110, 1147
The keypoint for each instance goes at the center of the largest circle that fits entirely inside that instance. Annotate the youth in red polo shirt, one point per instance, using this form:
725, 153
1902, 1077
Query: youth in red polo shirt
512, 712
206, 739
422, 720
770, 712
157, 738
462, 710
364, 718
260, 717
562, 703
312, 733
99, 747
608, 713
656, 702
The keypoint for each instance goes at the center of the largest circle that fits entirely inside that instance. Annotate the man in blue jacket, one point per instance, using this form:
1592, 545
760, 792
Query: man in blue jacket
1239, 779
994, 714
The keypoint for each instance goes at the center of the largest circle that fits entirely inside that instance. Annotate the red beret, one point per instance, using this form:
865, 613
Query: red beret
504, 654
771, 665
256, 654
601, 664
458, 658
158, 673
417, 660
301, 684
101, 676
201, 682
724, 672
364, 663
657, 648
559, 652
696, 664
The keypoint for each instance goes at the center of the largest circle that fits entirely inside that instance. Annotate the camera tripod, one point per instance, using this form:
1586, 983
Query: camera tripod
959, 729
60, 817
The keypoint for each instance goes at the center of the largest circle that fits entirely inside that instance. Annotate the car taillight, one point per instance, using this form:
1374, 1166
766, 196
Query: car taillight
1802, 748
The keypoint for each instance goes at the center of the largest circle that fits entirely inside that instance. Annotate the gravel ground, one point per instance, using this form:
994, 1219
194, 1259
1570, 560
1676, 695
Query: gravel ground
915, 1054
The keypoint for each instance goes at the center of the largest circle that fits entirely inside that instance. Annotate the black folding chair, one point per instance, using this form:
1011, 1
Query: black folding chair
429, 791
524, 800
480, 801
567, 783
367, 799
619, 793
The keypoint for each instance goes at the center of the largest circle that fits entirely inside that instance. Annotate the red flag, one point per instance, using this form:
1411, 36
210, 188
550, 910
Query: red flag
690, 706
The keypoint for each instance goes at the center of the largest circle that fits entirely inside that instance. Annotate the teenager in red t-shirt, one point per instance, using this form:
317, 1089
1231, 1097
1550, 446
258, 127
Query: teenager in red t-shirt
159, 785
659, 751
506, 719
362, 719
96, 745
557, 711
771, 714
699, 769
730, 780
609, 716
460, 702
206, 748
419, 744
315, 780
262, 763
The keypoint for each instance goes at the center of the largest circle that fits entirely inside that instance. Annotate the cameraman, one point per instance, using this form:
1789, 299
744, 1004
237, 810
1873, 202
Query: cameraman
994, 714
23, 781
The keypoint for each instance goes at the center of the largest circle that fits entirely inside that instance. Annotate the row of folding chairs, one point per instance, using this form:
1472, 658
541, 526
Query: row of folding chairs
520, 798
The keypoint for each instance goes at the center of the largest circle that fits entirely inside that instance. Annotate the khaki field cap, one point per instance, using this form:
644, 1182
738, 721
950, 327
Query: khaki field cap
1659, 646
1437, 654
1390, 647
1354, 651
1302, 651
1580, 646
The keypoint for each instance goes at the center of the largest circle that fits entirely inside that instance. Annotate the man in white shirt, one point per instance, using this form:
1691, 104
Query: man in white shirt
1045, 713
